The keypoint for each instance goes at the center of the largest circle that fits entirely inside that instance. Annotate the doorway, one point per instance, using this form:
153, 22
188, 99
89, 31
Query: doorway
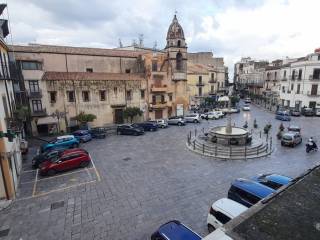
118, 116
158, 114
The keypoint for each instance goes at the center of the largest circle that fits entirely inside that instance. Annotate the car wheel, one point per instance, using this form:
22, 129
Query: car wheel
179, 123
151, 129
84, 164
195, 121
211, 228
51, 172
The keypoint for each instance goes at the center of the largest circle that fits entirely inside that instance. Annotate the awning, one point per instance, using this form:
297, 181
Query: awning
223, 99
47, 120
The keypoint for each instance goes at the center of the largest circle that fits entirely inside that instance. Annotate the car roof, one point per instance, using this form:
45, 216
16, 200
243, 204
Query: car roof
291, 134
294, 127
177, 231
283, 180
72, 151
230, 207
253, 187
65, 136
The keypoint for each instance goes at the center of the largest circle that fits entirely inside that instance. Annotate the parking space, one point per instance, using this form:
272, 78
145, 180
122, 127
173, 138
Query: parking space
136, 183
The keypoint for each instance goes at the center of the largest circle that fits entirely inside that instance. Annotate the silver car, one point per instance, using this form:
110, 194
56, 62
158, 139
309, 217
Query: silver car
194, 117
161, 123
291, 139
176, 121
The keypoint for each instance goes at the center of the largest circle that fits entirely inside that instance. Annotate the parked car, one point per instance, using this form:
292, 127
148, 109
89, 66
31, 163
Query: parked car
220, 113
69, 141
210, 115
147, 126
222, 211
248, 192
294, 128
291, 139
195, 118
98, 132
82, 135
295, 113
272, 180
41, 157
247, 100
308, 112
176, 121
68, 160
130, 129
317, 112
283, 116
246, 107
162, 123
174, 230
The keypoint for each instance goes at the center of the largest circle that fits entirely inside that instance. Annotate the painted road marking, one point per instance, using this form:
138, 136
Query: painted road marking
35, 184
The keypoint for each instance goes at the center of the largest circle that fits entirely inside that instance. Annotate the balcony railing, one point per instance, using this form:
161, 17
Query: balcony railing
284, 79
314, 78
292, 77
313, 94
159, 104
35, 94
200, 84
39, 113
212, 81
157, 88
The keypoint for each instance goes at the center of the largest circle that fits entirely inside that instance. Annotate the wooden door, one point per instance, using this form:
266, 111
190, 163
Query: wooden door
158, 114
118, 116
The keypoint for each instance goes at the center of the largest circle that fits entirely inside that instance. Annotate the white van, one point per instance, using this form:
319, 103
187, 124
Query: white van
222, 211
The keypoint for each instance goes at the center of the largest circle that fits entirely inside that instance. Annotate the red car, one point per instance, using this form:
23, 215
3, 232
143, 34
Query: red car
67, 160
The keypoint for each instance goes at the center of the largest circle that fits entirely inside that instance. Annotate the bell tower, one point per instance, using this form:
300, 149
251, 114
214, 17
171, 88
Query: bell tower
177, 50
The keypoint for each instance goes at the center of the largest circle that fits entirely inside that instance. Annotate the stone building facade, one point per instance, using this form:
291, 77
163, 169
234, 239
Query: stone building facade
63, 81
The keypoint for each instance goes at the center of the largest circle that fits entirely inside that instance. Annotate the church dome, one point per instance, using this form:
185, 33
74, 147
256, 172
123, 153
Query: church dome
175, 30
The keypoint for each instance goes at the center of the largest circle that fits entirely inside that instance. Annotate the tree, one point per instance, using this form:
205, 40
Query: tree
84, 118
21, 113
234, 100
131, 112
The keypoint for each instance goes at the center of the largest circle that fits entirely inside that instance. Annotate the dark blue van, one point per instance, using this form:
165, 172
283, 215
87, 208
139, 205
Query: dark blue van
283, 116
248, 192
174, 230
274, 181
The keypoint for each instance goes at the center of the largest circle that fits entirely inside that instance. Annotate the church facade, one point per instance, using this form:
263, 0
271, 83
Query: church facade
63, 81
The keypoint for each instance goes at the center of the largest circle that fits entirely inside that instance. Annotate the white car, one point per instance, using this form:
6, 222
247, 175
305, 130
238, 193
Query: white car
246, 107
222, 211
317, 113
210, 115
194, 118
247, 100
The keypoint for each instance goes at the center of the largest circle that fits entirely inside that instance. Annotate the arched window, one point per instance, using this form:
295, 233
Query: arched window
179, 43
179, 61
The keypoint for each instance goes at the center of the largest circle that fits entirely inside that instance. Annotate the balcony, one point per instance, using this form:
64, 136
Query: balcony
212, 81
35, 94
314, 78
313, 94
39, 113
14, 124
158, 105
156, 88
200, 84
284, 79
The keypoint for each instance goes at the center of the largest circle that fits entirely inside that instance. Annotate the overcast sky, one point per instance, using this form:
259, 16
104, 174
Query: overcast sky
262, 29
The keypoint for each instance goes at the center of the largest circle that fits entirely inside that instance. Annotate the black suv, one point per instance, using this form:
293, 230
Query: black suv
148, 126
130, 129
98, 132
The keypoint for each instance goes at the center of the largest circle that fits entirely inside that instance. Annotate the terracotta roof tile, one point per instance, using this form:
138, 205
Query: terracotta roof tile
77, 76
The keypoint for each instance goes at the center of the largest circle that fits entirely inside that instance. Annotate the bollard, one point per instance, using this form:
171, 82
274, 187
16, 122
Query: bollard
230, 151
245, 151
215, 152
203, 148
195, 132
260, 134
194, 144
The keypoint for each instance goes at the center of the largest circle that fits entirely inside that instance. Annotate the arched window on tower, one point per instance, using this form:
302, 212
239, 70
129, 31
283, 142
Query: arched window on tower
179, 61
179, 43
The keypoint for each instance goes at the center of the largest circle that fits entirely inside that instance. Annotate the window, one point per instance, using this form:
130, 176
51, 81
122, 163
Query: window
31, 65
34, 86
300, 74
293, 74
179, 61
314, 89
200, 91
53, 96
212, 88
298, 88
316, 73
115, 91
200, 79
292, 86
128, 70
129, 95
283, 89
71, 97
221, 217
179, 43
212, 77
142, 94
89, 70
284, 73
273, 185
218, 85
36, 105
275, 76
170, 97
102, 95
85, 96
154, 65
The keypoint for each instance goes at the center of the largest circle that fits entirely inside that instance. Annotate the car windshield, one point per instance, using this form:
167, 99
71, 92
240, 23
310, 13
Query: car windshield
287, 137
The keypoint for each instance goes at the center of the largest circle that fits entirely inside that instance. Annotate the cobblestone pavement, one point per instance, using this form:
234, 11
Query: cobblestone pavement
142, 182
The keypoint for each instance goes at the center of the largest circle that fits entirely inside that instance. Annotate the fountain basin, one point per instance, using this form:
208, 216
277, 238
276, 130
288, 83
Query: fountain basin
237, 135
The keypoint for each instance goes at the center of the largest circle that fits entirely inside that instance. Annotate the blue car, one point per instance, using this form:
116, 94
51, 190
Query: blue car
283, 116
174, 230
82, 135
68, 141
273, 181
248, 192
